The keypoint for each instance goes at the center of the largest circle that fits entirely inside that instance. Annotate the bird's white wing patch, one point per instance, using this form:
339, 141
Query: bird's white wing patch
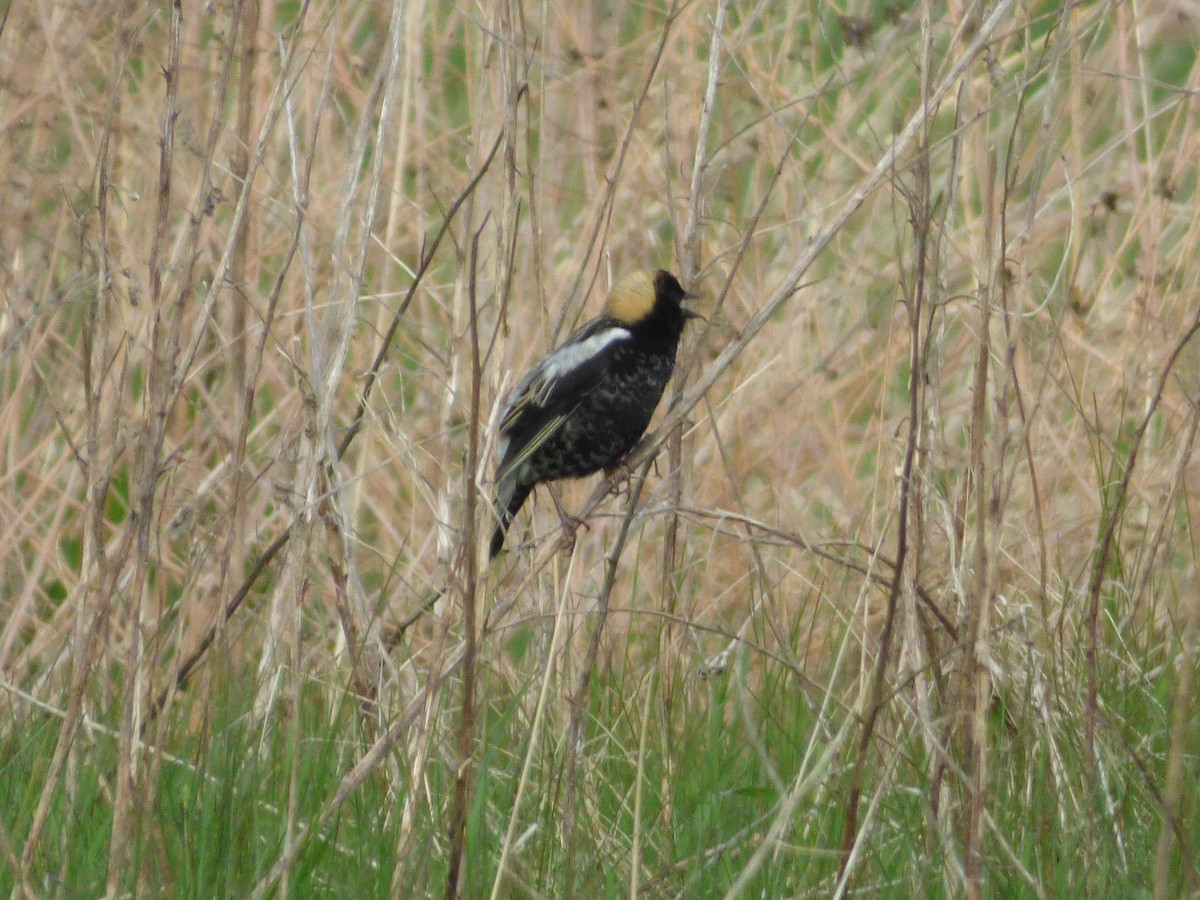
567, 358
571, 356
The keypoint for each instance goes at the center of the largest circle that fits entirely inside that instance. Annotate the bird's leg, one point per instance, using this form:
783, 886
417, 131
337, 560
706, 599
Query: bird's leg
568, 522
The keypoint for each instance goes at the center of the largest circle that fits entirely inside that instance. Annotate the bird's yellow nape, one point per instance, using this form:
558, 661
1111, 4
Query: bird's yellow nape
632, 299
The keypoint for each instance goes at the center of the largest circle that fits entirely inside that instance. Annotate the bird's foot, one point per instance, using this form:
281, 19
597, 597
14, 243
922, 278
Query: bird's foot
620, 477
570, 524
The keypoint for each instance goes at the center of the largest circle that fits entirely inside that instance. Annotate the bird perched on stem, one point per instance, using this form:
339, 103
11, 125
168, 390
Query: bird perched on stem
587, 404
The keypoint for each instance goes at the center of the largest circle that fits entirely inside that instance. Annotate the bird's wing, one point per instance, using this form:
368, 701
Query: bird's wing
544, 398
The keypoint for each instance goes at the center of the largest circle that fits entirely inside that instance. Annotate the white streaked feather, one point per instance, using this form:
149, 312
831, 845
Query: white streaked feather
569, 356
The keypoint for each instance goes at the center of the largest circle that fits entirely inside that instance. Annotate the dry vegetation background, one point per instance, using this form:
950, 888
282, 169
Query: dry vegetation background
269, 268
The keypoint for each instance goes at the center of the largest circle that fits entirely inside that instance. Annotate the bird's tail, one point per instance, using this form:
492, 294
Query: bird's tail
510, 496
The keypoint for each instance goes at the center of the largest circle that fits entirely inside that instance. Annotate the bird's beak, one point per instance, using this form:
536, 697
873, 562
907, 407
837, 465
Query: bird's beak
689, 313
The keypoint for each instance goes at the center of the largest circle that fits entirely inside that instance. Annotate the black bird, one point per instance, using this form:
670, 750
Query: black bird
587, 404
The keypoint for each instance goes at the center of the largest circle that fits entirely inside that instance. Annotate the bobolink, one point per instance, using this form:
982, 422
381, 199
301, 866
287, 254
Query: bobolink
586, 405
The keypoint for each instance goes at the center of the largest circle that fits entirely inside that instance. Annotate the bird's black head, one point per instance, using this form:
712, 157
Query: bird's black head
650, 303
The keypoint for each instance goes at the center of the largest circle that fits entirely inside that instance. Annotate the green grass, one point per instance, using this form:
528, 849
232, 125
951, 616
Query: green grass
218, 818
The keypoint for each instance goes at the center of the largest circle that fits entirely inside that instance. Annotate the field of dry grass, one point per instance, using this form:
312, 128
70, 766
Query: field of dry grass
921, 494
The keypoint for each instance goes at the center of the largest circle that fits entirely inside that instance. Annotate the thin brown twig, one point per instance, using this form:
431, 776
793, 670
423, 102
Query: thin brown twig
1182, 718
468, 560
